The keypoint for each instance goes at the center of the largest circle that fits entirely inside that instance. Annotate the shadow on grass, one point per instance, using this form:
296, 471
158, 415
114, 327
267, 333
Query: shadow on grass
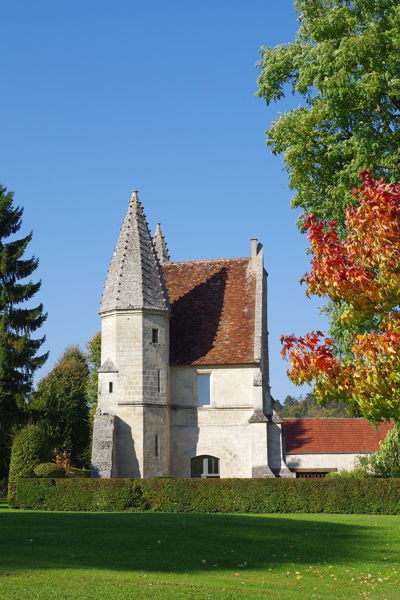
180, 543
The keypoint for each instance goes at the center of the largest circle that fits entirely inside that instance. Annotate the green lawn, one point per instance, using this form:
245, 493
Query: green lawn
130, 556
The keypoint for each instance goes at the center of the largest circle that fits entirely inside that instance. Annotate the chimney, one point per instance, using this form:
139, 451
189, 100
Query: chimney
253, 252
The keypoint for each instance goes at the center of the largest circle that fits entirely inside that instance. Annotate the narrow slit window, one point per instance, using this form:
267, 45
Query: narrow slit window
203, 390
156, 448
154, 336
158, 380
110, 387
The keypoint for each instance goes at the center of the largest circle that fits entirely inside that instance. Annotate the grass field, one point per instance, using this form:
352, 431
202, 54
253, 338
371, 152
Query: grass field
130, 556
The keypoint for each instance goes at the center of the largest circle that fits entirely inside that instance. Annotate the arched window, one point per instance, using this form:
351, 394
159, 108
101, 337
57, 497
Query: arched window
205, 466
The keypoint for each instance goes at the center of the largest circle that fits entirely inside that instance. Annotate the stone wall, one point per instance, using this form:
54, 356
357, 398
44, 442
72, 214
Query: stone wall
221, 429
321, 461
104, 444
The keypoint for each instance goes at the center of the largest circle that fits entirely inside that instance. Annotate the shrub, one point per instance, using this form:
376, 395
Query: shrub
362, 470
386, 461
49, 470
30, 447
358, 496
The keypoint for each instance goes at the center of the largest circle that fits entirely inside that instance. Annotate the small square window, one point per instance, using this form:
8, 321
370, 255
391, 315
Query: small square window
110, 387
154, 336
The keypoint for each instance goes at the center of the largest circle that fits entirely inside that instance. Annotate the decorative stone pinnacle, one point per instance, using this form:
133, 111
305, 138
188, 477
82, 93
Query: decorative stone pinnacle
161, 246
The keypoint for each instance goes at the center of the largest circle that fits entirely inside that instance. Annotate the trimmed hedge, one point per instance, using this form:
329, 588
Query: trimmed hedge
358, 496
49, 470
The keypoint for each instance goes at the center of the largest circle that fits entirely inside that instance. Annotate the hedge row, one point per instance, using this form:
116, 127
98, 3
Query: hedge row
359, 496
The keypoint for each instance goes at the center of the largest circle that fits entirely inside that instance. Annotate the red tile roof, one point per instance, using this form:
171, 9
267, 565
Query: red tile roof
212, 311
325, 436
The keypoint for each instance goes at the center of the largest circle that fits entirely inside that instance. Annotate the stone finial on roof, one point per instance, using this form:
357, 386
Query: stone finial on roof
161, 246
135, 278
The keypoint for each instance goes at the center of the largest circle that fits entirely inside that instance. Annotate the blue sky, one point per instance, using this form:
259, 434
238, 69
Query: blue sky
100, 98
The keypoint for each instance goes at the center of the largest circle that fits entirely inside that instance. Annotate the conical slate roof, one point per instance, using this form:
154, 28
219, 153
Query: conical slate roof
135, 278
161, 246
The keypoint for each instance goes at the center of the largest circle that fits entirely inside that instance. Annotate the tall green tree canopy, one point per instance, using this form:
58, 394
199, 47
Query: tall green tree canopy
60, 405
345, 66
19, 357
93, 358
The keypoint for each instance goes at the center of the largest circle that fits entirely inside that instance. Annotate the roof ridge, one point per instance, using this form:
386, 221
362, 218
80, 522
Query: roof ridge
347, 419
203, 260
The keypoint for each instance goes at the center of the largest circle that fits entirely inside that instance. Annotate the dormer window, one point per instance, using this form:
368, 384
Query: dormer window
110, 387
154, 336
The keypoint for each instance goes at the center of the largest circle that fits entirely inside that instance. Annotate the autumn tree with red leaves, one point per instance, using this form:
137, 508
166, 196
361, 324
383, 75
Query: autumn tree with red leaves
362, 271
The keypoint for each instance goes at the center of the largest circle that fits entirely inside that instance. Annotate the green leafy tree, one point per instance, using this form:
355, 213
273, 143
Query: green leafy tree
308, 407
19, 357
344, 65
93, 358
31, 446
386, 461
60, 404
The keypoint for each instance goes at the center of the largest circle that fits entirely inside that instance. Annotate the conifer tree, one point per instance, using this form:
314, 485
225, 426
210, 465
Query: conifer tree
18, 350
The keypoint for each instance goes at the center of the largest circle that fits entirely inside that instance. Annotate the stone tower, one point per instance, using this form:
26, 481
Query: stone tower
131, 429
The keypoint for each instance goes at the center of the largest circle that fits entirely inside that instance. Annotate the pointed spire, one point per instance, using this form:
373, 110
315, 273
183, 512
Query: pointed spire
135, 278
161, 246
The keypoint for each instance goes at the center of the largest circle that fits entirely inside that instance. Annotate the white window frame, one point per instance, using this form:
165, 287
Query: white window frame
200, 372
206, 474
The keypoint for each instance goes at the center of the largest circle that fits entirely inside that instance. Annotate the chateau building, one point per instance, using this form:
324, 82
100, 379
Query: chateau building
184, 377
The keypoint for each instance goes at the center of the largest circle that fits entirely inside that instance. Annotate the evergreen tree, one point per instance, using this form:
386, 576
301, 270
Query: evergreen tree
18, 351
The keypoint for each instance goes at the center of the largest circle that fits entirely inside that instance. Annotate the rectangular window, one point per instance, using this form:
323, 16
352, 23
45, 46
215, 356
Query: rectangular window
158, 380
110, 387
203, 389
156, 448
154, 336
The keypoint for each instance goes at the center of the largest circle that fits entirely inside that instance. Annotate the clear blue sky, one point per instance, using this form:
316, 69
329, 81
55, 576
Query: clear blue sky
99, 98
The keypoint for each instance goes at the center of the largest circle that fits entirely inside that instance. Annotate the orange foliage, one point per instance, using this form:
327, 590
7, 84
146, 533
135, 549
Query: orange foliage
363, 269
